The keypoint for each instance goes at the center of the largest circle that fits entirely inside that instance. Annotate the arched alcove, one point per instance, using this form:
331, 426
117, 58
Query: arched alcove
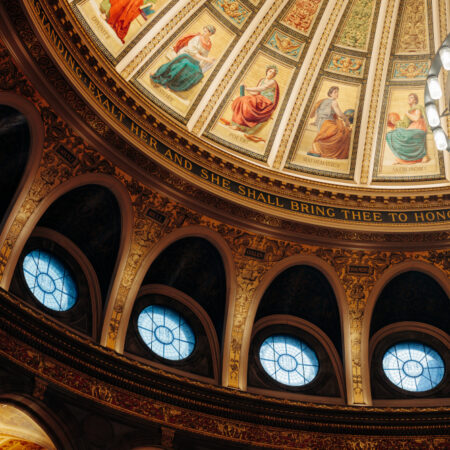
412, 310
15, 141
90, 217
82, 229
26, 421
204, 359
301, 303
411, 296
189, 278
303, 291
194, 266
18, 428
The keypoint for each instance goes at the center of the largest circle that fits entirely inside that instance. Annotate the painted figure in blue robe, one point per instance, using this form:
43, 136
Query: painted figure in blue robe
407, 140
190, 63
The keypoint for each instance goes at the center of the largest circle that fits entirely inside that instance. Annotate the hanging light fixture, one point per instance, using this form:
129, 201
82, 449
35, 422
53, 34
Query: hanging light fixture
434, 92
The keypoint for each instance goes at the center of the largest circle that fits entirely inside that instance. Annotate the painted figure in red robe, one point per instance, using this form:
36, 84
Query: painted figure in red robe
120, 13
251, 111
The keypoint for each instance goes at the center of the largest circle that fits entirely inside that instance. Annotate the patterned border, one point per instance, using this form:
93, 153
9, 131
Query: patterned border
327, 67
140, 390
375, 11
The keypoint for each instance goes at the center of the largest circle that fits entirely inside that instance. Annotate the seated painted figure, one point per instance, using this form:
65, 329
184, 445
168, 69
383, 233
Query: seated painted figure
407, 140
190, 63
256, 108
334, 127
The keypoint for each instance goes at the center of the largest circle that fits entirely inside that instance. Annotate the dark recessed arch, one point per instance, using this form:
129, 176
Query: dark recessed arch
15, 140
203, 361
412, 296
90, 217
195, 267
304, 292
300, 302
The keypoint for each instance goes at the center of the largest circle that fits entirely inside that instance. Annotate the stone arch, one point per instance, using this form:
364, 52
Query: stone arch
37, 134
341, 299
53, 430
230, 273
123, 199
439, 276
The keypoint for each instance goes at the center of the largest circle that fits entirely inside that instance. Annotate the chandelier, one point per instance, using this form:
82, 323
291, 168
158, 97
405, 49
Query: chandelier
433, 93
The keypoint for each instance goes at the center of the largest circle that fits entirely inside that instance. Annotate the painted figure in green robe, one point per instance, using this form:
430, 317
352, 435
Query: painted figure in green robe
407, 140
190, 63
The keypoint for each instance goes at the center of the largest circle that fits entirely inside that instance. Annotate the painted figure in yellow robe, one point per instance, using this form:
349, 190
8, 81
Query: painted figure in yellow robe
333, 139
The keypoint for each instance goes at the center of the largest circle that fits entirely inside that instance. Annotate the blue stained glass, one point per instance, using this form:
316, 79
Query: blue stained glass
49, 280
413, 366
288, 360
166, 332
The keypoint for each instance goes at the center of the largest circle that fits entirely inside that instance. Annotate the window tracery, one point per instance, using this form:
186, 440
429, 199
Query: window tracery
49, 280
288, 360
413, 366
166, 332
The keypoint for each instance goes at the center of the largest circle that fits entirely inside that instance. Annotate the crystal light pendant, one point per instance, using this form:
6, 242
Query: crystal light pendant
444, 54
432, 115
440, 139
434, 88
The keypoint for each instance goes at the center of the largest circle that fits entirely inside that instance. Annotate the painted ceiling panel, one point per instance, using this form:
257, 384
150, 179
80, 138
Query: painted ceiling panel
255, 78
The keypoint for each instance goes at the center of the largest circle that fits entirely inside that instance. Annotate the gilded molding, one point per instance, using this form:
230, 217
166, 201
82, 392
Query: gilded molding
146, 233
141, 404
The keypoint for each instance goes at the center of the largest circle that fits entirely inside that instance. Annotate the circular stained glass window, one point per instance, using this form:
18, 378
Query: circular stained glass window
413, 366
288, 360
166, 332
49, 280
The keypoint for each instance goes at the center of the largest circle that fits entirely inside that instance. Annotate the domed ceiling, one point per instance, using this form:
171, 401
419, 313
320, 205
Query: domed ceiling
278, 102
254, 78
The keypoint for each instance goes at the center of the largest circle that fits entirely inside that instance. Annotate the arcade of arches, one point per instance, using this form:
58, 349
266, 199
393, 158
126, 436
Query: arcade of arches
188, 262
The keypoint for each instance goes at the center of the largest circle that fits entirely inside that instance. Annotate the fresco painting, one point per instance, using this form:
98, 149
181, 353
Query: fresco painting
302, 15
176, 77
413, 34
285, 45
410, 70
248, 118
346, 65
325, 143
233, 10
355, 32
115, 23
407, 145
